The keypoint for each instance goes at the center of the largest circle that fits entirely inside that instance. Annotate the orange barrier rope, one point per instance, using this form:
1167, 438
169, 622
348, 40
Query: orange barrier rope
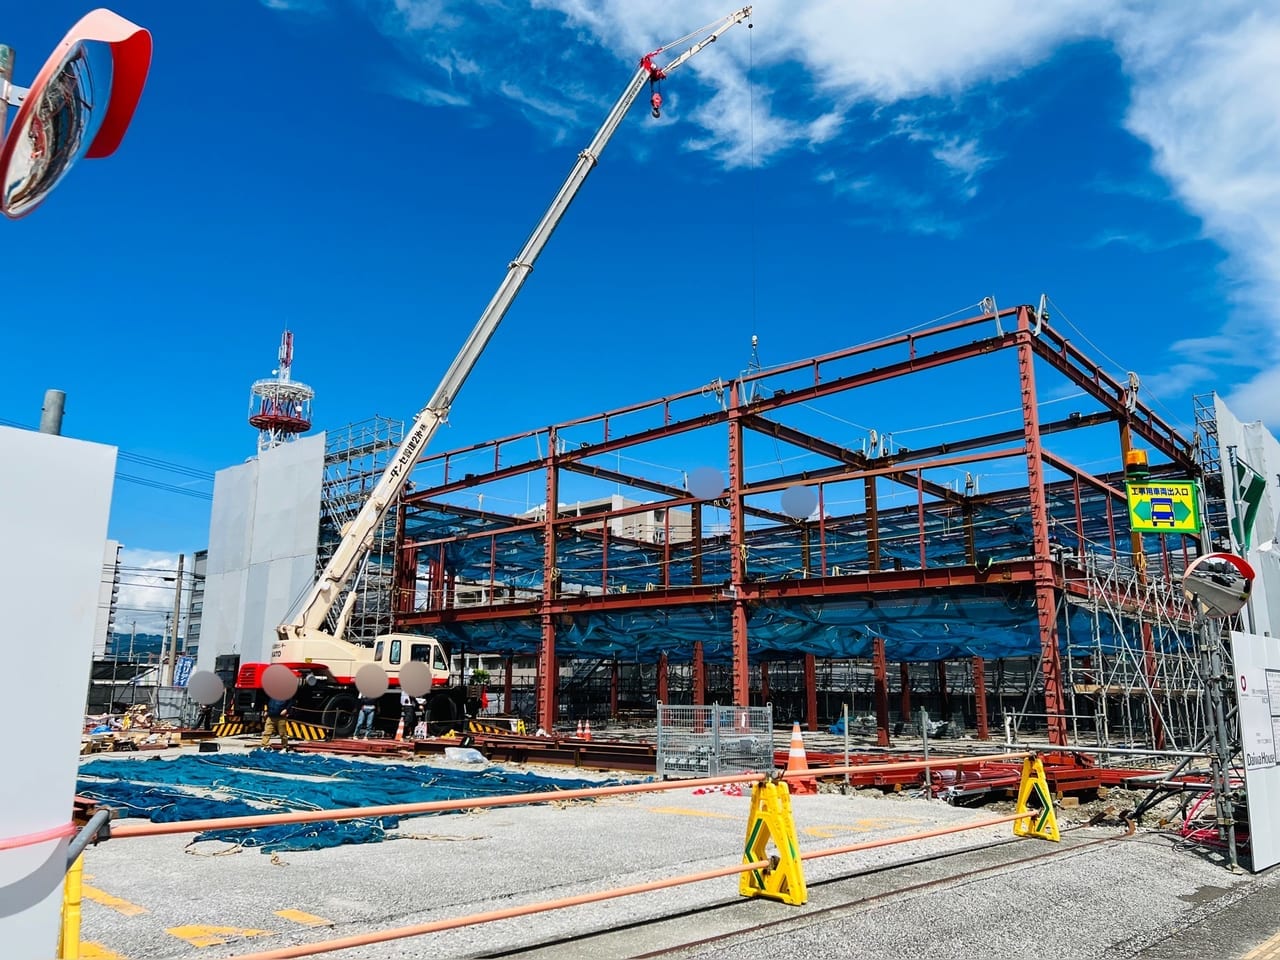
436, 926
31, 839
515, 799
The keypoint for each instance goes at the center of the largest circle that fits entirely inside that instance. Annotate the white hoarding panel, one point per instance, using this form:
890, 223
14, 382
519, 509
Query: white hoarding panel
1256, 660
263, 532
55, 497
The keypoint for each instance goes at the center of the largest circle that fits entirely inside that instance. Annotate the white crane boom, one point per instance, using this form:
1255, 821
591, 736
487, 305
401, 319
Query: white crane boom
315, 607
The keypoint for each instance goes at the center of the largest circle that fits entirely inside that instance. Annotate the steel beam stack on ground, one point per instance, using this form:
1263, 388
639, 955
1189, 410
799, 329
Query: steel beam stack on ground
902, 552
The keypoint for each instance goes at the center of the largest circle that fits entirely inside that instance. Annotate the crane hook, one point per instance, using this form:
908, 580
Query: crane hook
656, 101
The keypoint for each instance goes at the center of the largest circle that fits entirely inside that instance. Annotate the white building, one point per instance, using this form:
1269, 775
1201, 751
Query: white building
657, 525
108, 597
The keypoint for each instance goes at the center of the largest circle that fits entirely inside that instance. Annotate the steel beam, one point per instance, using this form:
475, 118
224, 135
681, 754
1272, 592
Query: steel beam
1084, 373
832, 451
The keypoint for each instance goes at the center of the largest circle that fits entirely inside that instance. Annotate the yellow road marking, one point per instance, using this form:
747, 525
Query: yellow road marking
96, 951
306, 919
685, 812
1269, 950
115, 903
864, 825
199, 935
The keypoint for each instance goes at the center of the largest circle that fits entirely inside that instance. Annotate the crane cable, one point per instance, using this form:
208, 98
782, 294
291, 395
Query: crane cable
714, 24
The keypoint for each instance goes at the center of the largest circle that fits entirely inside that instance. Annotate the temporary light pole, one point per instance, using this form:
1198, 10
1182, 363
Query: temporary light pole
171, 652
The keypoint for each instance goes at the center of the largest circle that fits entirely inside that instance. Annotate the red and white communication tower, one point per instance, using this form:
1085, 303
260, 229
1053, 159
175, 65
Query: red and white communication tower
280, 407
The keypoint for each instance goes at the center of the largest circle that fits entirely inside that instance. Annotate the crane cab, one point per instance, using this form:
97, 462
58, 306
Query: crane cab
392, 651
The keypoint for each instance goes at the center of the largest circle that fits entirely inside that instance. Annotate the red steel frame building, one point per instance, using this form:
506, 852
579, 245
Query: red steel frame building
1090, 508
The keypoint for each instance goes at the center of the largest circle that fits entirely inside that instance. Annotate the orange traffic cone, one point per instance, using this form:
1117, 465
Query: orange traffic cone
400, 728
579, 733
586, 732
797, 762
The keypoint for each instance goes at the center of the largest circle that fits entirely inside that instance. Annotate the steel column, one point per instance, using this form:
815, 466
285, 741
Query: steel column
1046, 594
738, 554
699, 695
873, 524
880, 666
615, 680
811, 690
944, 693
904, 677
548, 674
508, 683
662, 679
980, 697
405, 592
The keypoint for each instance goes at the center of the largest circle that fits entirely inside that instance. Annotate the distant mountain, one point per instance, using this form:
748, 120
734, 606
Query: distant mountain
145, 646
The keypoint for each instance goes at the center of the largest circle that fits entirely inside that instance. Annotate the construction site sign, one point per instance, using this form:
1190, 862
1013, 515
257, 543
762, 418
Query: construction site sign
1163, 506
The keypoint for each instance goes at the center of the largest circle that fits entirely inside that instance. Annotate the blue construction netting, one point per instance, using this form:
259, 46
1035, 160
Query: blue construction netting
992, 621
232, 785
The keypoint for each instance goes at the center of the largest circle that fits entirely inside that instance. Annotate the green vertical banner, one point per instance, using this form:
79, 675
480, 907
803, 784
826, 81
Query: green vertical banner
1249, 488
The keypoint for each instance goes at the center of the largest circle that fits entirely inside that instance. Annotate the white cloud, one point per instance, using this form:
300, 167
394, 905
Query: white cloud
297, 6
146, 596
1203, 96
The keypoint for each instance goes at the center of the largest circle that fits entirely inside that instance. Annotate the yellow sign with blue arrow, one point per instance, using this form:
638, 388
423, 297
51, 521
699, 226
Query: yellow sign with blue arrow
1163, 506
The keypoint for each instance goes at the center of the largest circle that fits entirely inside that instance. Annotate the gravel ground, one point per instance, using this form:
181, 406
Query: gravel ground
1102, 893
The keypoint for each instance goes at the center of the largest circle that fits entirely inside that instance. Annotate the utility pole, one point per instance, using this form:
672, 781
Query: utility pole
132, 637
171, 660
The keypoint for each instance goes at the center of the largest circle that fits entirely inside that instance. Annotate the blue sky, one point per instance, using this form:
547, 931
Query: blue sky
361, 171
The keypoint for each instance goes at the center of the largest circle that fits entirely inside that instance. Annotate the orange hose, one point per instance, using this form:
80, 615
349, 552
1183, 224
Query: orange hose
436, 926
516, 799
401, 809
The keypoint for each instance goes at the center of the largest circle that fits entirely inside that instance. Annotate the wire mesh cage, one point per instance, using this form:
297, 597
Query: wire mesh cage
701, 740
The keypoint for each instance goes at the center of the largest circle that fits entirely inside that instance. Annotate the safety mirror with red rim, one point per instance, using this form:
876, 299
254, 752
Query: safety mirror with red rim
79, 105
1221, 582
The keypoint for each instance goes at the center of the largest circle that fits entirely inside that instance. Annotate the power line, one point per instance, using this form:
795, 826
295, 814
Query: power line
155, 463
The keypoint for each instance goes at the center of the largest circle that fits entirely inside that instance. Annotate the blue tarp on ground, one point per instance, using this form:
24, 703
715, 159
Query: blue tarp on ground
232, 785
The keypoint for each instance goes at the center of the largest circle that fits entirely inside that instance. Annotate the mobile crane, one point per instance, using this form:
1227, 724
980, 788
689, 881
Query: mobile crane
326, 663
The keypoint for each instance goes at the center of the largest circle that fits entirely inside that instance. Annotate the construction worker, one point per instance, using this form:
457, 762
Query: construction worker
409, 706
364, 721
277, 714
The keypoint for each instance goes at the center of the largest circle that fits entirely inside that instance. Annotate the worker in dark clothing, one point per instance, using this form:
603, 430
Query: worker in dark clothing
409, 706
277, 714
364, 720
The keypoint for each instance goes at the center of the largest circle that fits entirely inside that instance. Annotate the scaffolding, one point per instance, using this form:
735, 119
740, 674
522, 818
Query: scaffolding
826, 553
355, 458
1210, 456
1133, 676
